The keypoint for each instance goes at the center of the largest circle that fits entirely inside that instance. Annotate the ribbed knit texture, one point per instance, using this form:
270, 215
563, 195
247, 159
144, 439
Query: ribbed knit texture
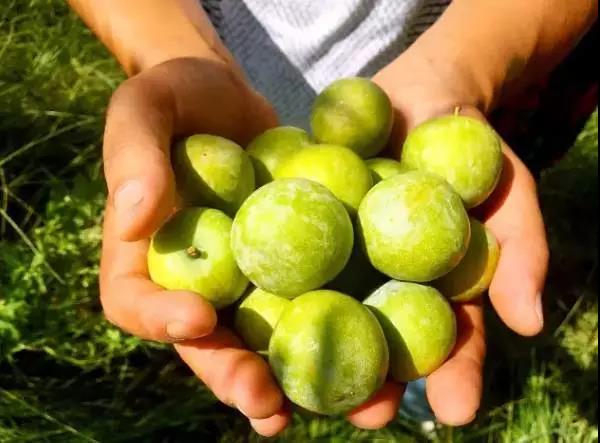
292, 49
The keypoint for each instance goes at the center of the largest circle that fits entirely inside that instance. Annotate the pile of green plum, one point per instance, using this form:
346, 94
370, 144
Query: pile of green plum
340, 265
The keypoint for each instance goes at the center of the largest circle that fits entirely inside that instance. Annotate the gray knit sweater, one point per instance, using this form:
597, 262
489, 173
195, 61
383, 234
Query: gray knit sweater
292, 49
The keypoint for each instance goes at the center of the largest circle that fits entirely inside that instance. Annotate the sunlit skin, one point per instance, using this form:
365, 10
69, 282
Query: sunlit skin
137, 305
180, 69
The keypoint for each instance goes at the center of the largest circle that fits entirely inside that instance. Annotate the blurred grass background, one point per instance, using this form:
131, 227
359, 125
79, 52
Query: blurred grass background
67, 376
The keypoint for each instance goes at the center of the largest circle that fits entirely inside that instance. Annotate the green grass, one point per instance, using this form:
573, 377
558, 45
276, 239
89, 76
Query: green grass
67, 376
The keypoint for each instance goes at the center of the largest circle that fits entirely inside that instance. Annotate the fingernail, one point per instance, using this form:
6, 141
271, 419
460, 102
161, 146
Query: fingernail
129, 195
539, 310
179, 330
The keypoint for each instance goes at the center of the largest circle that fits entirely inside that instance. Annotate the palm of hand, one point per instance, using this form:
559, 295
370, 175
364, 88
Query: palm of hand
146, 113
512, 213
191, 96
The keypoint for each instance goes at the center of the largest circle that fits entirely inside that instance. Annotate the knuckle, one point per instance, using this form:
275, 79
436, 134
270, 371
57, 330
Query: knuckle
117, 317
126, 152
135, 103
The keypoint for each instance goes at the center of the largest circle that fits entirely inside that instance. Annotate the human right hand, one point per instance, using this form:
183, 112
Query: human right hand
146, 113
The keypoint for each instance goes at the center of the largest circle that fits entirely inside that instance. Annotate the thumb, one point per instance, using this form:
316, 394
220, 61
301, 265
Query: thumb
137, 165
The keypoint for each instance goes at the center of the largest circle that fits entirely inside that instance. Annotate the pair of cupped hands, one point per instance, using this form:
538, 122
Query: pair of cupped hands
191, 95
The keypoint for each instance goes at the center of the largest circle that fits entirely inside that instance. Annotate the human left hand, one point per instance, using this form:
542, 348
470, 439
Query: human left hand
512, 213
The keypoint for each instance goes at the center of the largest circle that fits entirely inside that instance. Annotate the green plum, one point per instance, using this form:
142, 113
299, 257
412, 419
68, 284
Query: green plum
213, 171
328, 352
337, 168
257, 316
353, 112
466, 152
413, 227
419, 325
291, 236
272, 147
382, 168
192, 252
474, 273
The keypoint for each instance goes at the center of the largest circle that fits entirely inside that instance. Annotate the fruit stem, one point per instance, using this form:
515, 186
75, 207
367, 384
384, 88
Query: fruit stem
194, 252
456, 110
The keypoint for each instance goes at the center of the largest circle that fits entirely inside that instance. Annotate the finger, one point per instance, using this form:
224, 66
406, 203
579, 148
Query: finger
135, 304
238, 377
210, 97
454, 390
380, 409
273, 425
514, 216
137, 166
180, 97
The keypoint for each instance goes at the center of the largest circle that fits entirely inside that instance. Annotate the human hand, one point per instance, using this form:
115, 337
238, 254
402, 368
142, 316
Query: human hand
237, 376
176, 98
512, 213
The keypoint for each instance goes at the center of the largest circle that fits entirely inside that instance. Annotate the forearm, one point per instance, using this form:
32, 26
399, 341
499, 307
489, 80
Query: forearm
488, 49
142, 33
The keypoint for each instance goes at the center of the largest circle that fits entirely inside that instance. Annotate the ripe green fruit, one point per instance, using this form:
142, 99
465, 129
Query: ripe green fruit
191, 252
337, 168
291, 236
272, 147
474, 273
353, 112
382, 168
466, 152
413, 227
328, 352
257, 316
213, 171
419, 325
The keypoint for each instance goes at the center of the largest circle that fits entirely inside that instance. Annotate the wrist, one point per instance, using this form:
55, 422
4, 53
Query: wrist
452, 75
144, 34
482, 52
142, 57
198, 41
